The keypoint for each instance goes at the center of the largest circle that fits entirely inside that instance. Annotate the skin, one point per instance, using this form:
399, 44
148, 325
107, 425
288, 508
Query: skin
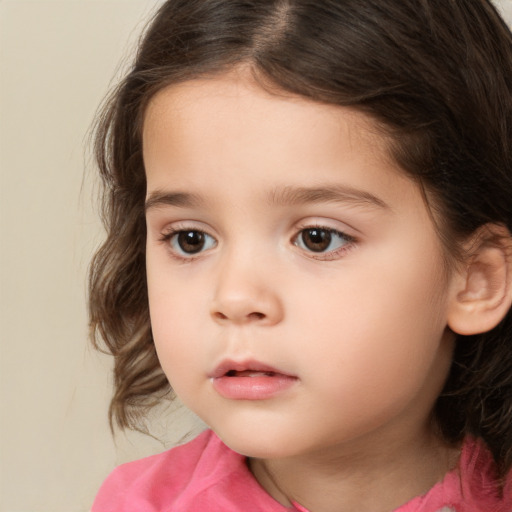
361, 326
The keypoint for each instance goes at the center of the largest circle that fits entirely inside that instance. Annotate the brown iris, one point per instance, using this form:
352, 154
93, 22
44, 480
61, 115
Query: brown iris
316, 239
191, 242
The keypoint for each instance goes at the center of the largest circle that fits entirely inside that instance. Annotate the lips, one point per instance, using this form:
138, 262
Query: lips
238, 368
250, 380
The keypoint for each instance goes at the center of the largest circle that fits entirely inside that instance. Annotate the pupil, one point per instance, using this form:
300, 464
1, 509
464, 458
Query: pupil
317, 240
191, 241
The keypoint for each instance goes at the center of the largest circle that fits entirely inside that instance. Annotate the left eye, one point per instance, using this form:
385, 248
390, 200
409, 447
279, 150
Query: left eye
321, 240
191, 241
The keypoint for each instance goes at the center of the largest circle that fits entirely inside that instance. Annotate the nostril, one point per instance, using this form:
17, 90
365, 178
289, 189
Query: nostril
256, 315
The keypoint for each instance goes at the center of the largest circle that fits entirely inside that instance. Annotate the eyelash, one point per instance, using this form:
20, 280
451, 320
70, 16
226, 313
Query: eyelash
349, 242
167, 238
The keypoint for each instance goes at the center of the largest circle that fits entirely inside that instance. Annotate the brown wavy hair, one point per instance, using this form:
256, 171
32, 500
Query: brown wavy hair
435, 76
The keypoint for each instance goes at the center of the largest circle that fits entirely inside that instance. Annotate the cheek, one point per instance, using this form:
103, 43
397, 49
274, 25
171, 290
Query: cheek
377, 331
173, 319
177, 349
363, 374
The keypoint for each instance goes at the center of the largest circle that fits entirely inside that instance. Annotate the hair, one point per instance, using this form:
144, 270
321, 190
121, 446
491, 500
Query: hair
435, 76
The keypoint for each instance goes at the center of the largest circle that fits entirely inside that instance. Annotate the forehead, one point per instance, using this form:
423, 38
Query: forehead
198, 106
228, 128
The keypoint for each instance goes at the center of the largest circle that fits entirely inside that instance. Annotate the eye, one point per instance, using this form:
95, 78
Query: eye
321, 240
188, 242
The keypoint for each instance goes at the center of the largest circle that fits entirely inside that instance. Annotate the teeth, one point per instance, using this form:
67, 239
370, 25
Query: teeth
249, 373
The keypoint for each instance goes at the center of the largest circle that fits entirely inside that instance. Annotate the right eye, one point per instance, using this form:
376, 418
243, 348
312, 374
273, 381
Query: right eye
187, 242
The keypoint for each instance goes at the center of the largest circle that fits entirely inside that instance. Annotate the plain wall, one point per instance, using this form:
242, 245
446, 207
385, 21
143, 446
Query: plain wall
57, 59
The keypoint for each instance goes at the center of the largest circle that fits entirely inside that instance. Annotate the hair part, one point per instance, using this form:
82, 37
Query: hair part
441, 96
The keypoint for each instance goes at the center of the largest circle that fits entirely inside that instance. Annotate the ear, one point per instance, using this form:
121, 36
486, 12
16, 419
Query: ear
482, 287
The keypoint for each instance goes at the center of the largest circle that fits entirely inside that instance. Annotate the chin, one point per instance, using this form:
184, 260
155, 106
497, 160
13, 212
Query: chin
255, 448
259, 442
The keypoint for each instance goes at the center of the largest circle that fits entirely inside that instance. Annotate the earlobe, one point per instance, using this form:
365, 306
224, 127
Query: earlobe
482, 293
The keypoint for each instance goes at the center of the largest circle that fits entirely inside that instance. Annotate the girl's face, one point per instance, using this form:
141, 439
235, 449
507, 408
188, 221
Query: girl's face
296, 284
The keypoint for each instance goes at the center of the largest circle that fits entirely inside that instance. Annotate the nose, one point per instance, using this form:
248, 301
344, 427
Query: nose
245, 294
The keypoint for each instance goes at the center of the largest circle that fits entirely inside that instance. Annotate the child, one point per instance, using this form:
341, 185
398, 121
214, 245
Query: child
311, 201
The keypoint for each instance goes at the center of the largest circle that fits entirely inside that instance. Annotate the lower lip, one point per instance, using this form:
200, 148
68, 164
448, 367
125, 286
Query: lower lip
252, 388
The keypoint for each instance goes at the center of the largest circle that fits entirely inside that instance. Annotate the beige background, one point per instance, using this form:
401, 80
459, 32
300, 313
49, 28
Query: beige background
57, 59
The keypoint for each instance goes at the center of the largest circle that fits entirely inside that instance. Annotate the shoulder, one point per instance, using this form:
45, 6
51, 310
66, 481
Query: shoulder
201, 475
480, 483
150, 484
472, 486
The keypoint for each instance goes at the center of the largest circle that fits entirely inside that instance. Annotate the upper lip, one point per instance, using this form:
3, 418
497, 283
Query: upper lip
248, 365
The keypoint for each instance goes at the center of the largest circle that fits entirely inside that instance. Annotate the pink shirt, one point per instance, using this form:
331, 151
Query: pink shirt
205, 475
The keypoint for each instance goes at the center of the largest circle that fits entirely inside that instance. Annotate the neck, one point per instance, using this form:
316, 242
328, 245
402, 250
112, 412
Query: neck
377, 480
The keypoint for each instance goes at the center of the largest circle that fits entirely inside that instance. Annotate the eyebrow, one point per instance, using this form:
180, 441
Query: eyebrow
281, 196
180, 199
325, 194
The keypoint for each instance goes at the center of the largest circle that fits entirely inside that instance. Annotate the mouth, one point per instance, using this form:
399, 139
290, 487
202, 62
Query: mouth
251, 368
249, 373
250, 380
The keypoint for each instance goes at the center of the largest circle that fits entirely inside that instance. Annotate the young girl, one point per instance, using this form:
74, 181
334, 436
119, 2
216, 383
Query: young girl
308, 206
